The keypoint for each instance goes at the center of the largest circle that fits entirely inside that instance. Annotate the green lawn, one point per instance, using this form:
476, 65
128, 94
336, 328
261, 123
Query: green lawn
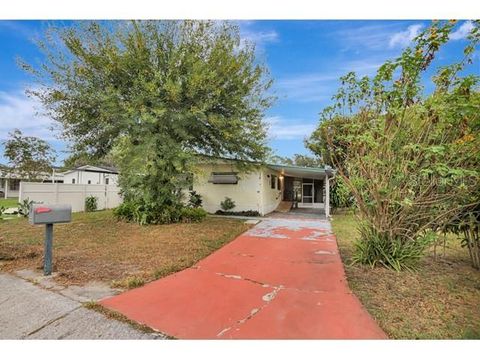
441, 300
8, 203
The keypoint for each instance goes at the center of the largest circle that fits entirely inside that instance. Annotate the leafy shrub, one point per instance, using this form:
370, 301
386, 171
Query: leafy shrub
227, 204
169, 214
238, 213
124, 211
153, 214
195, 200
340, 195
91, 203
193, 214
376, 248
24, 207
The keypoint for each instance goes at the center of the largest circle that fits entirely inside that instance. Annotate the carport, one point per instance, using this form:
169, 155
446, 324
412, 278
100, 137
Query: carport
306, 187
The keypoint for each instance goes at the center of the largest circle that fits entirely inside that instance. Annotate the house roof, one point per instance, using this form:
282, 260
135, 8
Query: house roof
91, 168
290, 170
301, 171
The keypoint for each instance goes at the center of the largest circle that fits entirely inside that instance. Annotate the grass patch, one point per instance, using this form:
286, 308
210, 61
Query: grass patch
440, 300
128, 283
95, 246
8, 203
111, 314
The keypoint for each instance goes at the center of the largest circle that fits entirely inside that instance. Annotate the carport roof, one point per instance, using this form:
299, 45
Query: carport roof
300, 171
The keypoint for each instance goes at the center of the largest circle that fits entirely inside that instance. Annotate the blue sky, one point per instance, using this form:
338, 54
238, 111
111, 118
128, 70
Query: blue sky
305, 58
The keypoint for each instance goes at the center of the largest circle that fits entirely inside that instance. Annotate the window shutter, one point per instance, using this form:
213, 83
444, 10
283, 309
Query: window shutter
223, 178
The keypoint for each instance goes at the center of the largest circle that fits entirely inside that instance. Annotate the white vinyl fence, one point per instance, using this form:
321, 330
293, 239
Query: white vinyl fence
107, 196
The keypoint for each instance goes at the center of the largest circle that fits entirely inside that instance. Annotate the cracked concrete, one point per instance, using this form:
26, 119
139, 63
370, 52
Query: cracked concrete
37, 309
267, 298
282, 279
91, 291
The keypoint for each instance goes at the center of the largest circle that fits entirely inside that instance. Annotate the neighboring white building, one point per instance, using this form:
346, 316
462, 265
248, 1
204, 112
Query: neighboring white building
94, 175
10, 181
264, 187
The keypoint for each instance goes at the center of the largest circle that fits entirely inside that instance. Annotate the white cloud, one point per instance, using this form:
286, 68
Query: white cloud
306, 87
283, 129
372, 37
261, 37
17, 111
258, 37
462, 31
404, 38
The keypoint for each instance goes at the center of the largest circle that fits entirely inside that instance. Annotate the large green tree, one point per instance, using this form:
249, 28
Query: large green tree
410, 158
154, 94
29, 156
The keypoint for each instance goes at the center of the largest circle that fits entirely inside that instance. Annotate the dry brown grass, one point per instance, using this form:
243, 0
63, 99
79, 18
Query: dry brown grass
115, 315
441, 300
97, 247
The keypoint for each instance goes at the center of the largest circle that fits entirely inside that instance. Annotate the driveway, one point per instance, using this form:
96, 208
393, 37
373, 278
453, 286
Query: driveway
282, 279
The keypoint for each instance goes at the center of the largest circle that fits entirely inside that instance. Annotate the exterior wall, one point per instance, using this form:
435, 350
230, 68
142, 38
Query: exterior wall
96, 178
271, 198
253, 191
246, 193
73, 194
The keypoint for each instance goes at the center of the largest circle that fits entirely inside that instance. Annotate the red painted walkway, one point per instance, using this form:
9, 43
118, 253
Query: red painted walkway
283, 279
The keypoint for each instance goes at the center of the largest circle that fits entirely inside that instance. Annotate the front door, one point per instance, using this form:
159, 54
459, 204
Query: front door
307, 194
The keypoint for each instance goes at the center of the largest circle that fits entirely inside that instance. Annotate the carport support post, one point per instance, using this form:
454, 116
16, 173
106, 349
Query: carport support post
47, 261
327, 196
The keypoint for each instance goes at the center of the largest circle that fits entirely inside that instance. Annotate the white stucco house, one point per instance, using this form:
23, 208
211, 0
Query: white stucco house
264, 188
94, 175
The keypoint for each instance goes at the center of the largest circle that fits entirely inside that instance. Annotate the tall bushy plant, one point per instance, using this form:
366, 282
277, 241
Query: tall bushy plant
408, 159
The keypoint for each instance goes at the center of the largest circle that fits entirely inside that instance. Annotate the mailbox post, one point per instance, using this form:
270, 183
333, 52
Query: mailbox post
49, 215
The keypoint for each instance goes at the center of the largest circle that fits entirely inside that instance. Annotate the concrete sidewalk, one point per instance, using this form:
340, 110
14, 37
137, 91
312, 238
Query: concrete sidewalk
28, 311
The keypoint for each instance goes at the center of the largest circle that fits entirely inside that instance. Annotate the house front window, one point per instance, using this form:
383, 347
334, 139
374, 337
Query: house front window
73, 181
273, 181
